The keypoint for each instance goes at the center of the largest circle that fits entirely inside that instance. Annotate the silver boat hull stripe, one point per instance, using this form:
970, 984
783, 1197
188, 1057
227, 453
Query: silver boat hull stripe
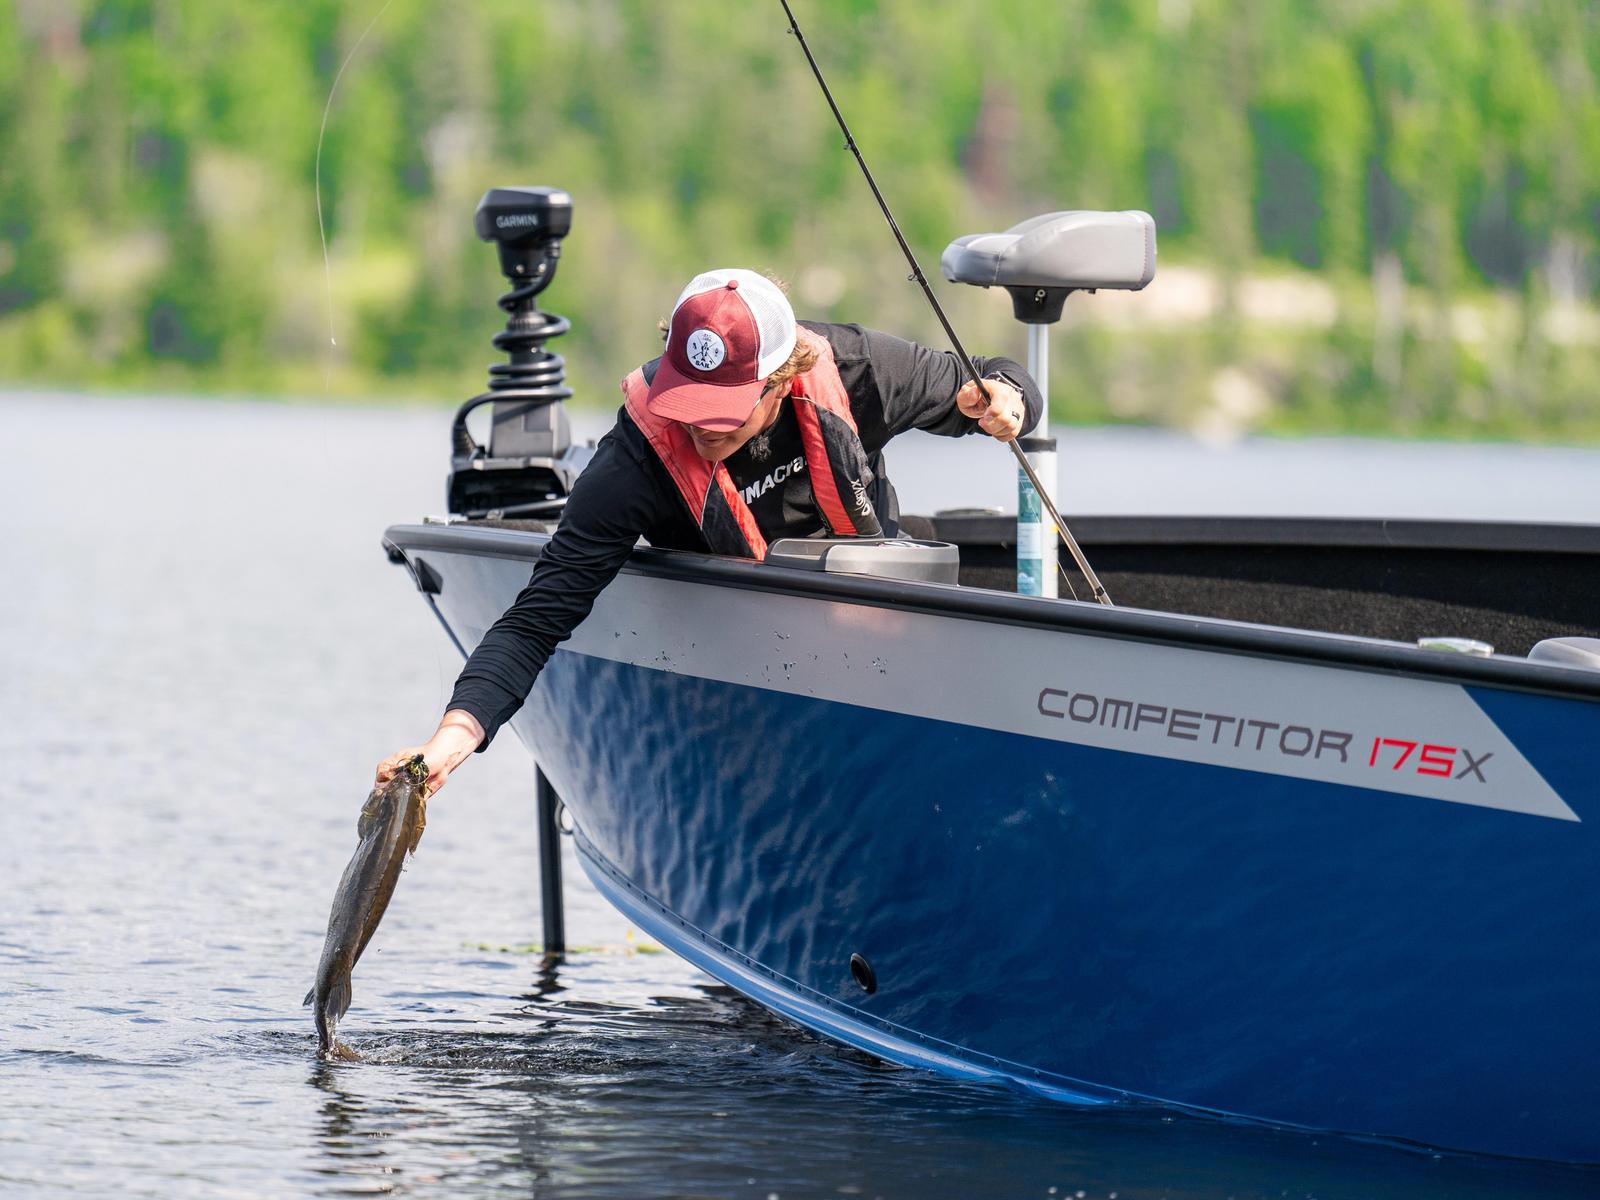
1334, 725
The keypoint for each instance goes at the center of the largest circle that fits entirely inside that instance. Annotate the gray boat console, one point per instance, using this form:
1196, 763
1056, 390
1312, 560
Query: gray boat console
884, 558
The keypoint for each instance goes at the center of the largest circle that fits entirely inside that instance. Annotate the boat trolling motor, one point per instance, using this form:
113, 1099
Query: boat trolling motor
528, 467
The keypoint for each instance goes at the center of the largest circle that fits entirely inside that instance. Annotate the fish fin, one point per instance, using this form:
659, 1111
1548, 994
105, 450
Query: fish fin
338, 1002
310, 996
371, 811
422, 822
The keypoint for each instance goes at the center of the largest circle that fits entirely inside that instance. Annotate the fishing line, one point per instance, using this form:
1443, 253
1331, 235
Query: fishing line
322, 230
1096, 588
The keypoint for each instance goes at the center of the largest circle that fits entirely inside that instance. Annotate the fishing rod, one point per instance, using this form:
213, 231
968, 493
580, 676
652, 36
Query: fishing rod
1095, 586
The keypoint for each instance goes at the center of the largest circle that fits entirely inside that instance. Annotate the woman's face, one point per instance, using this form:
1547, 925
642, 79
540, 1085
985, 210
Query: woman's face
716, 445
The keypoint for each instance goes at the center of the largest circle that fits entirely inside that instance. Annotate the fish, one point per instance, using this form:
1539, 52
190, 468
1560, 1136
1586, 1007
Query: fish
389, 828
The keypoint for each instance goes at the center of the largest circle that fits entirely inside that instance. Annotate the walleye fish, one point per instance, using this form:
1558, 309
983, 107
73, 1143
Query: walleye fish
390, 827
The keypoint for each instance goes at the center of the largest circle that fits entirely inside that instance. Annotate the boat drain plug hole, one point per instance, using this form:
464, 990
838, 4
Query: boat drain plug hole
862, 970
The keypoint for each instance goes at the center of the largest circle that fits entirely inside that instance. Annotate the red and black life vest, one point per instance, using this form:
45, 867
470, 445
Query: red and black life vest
836, 461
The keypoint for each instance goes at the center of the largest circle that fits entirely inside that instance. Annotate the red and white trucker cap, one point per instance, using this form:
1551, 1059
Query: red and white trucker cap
730, 329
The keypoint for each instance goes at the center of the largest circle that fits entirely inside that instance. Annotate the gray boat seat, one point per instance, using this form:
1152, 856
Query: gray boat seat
1076, 250
1568, 652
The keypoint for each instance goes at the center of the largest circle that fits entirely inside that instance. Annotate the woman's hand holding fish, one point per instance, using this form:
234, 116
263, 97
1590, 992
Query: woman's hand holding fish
458, 735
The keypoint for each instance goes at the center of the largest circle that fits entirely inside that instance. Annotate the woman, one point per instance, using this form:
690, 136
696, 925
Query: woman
750, 427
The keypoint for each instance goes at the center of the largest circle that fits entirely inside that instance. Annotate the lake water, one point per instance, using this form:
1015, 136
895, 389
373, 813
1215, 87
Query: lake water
203, 651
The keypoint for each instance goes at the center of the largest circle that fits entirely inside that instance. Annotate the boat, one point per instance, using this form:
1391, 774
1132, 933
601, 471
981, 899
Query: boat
1303, 830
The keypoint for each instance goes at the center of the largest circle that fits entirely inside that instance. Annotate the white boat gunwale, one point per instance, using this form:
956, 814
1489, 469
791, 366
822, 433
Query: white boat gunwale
1081, 617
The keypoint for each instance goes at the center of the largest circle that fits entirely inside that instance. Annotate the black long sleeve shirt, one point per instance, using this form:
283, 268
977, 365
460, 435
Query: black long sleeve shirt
625, 493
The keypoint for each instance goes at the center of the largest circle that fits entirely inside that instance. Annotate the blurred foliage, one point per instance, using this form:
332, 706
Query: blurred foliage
1374, 215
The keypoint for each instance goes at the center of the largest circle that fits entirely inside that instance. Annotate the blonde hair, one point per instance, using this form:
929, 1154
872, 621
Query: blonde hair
801, 359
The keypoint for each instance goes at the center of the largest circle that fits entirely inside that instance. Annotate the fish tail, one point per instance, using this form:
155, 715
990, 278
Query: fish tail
330, 1006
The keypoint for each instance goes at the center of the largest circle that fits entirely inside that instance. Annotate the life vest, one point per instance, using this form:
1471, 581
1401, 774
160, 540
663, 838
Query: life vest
836, 461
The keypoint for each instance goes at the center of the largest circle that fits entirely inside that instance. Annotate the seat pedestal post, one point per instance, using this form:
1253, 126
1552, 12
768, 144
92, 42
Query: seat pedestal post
1036, 537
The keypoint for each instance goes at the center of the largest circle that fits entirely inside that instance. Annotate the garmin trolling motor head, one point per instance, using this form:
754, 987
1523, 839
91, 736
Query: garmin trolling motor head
529, 465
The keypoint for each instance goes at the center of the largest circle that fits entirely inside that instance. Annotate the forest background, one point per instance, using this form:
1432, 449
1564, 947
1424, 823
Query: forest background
1375, 215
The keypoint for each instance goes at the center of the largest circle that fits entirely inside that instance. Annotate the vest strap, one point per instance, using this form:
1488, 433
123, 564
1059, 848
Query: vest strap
823, 483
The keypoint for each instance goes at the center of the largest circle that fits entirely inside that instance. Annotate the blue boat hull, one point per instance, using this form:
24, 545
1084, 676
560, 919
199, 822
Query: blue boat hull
1096, 922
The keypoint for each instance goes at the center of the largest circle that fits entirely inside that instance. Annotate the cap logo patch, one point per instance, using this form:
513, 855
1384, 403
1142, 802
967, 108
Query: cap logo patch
704, 350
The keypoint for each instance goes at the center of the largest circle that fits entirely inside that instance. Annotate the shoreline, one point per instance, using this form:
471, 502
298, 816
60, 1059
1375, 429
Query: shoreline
17, 392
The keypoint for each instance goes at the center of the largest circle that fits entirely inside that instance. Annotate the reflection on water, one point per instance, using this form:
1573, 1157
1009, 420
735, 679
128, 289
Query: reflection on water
704, 1094
204, 652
